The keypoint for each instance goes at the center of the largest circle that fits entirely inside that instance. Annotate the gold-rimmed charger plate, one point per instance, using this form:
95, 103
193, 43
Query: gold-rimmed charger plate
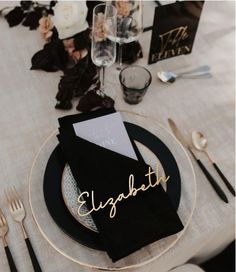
98, 259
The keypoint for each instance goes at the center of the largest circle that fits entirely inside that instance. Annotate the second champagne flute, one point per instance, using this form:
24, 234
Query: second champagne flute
129, 23
103, 51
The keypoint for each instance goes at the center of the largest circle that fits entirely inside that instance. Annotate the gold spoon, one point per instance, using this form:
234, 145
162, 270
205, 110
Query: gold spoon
200, 143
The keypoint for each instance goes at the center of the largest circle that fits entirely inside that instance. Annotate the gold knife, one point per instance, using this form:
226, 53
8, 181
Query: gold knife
209, 177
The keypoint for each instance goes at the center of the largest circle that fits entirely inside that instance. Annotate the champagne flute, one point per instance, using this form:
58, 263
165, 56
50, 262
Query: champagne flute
103, 51
129, 23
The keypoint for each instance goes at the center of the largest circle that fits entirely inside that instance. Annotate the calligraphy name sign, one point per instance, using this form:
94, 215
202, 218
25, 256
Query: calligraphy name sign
174, 29
112, 202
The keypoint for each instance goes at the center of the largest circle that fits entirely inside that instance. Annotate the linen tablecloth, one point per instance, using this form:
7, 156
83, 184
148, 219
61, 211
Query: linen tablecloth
187, 268
27, 116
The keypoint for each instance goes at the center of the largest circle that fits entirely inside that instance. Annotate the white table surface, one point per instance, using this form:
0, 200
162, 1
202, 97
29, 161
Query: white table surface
27, 116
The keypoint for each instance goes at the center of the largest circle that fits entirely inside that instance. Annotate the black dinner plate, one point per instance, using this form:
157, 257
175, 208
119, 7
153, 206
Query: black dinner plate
53, 176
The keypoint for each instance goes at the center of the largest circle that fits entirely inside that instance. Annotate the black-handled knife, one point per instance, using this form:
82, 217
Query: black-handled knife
209, 177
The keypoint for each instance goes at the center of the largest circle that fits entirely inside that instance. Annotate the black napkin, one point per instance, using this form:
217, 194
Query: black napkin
139, 220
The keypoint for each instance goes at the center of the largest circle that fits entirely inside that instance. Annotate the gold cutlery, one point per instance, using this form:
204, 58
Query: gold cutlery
200, 143
209, 177
3, 232
17, 211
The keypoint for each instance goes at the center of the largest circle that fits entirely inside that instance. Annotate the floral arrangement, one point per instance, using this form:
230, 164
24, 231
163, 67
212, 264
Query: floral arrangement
65, 28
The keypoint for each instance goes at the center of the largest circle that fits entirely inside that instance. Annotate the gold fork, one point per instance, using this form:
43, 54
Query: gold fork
3, 232
17, 211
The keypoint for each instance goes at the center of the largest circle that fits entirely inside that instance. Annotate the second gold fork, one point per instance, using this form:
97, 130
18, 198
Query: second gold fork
17, 211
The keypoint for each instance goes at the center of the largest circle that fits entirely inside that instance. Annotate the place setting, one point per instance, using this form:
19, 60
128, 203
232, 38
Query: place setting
111, 188
54, 202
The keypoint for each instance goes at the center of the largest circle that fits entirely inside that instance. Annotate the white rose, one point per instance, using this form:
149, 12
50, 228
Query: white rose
70, 18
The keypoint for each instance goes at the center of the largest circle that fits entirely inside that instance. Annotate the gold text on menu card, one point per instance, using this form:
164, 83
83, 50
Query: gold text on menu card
132, 191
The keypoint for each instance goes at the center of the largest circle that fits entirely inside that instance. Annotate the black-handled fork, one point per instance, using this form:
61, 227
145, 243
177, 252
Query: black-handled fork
17, 211
3, 232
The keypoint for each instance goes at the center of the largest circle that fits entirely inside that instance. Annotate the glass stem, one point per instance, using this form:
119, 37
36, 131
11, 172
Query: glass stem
103, 79
120, 56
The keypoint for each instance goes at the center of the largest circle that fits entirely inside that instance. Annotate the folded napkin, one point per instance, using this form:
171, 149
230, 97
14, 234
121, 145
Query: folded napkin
139, 220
